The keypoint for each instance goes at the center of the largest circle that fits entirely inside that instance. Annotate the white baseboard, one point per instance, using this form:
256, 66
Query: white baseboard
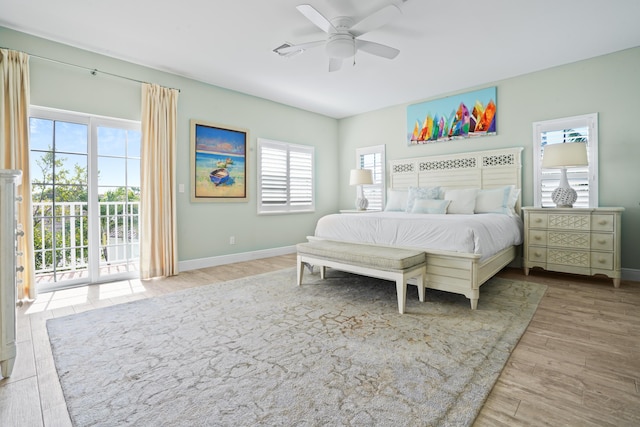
194, 264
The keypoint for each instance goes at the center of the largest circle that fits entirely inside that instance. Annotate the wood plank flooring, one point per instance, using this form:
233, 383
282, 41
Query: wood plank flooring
576, 365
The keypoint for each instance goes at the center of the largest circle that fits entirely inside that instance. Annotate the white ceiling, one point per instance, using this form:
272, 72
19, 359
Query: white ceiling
444, 45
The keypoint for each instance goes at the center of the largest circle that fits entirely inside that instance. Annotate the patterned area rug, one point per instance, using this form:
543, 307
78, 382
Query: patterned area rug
263, 351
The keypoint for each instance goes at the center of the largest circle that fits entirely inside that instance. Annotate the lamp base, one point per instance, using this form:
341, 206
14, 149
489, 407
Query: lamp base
362, 203
564, 197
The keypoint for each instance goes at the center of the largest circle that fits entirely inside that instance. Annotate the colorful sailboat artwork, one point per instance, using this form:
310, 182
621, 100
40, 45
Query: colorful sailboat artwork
450, 118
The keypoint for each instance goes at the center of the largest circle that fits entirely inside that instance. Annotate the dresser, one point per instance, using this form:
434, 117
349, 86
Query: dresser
9, 179
574, 240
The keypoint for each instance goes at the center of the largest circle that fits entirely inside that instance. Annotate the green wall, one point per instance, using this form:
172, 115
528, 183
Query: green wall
203, 228
608, 85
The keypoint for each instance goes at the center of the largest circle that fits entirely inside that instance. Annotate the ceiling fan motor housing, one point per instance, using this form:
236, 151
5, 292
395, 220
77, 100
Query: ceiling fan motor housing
341, 46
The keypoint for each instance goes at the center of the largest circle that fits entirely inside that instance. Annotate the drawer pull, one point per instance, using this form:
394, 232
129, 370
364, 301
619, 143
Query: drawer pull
537, 254
537, 237
602, 241
20, 269
538, 220
602, 222
602, 260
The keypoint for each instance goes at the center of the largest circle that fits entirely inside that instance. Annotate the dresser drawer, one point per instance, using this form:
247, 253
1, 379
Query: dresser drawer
602, 222
567, 257
537, 220
602, 241
602, 260
537, 254
563, 239
578, 222
537, 237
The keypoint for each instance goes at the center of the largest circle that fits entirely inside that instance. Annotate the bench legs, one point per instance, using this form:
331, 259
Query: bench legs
401, 291
400, 277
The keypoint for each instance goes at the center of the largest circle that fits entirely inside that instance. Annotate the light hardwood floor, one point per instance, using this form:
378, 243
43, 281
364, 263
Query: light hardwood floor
576, 365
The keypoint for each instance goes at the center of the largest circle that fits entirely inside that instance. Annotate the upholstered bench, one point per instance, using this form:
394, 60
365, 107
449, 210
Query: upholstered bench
382, 262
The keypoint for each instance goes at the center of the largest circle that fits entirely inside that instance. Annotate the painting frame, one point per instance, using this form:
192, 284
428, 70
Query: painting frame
465, 115
219, 162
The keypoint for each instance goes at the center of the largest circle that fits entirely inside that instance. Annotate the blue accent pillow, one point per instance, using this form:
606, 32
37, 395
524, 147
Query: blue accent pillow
421, 193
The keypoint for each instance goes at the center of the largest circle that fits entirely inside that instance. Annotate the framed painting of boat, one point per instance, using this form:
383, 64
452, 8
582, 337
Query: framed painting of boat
218, 163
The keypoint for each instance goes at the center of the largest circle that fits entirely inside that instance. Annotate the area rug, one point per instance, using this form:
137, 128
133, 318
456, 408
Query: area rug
263, 351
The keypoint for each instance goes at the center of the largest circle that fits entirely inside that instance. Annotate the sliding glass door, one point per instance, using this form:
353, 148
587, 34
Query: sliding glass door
85, 176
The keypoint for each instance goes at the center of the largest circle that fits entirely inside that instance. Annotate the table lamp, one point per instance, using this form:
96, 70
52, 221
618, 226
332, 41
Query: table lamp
563, 156
361, 177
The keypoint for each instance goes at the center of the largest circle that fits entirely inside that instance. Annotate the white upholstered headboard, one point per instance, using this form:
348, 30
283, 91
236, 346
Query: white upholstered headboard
479, 169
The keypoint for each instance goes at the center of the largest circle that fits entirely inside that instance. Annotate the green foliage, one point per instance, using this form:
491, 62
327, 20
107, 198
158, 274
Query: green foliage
61, 229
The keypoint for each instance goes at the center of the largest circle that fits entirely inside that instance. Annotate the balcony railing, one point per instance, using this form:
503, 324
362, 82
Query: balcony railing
61, 238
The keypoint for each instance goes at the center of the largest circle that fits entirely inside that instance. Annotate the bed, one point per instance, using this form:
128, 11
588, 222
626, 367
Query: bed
478, 246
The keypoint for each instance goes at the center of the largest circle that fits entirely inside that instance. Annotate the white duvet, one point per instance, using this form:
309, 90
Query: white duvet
484, 234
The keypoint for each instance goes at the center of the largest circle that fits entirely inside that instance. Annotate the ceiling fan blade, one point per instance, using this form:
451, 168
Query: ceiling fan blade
376, 20
377, 49
335, 64
287, 49
317, 18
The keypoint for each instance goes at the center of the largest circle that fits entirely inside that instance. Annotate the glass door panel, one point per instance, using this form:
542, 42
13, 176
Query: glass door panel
85, 174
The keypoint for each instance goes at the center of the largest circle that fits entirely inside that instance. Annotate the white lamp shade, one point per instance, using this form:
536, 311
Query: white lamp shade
566, 155
360, 177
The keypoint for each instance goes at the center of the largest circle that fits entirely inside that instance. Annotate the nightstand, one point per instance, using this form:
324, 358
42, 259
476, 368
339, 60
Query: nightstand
575, 240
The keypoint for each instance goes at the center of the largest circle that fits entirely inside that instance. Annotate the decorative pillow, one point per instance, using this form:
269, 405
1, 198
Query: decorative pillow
463, 201
430, 206
496, 200
421, 193
396, 200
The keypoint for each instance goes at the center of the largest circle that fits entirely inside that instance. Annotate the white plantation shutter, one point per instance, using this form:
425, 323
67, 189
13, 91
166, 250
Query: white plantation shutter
583, 179
273, 176
373, 158
285, 177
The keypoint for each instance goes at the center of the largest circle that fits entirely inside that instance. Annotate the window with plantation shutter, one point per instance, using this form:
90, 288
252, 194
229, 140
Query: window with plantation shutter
285, 177
582, 179
373, 158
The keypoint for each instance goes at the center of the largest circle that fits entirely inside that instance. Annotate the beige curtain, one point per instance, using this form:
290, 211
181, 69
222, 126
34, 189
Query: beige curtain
14, 153
158, 246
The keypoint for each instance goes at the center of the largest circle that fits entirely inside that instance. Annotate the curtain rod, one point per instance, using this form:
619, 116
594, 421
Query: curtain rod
93, 71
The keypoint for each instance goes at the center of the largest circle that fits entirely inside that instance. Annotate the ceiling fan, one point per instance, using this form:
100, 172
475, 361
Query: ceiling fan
344, 34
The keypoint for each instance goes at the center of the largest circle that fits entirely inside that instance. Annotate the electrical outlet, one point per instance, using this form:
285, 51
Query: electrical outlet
232, 240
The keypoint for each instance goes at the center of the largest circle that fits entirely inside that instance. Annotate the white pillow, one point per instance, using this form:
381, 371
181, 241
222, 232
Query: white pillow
421, 193
513, 200
496, 200
463, 201
396, 200
430, 206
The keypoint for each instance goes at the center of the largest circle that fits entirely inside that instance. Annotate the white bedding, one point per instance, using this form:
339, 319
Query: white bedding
484, 234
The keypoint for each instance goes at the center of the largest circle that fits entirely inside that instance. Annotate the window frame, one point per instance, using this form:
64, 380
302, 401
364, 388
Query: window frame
287, 207
586, 120
379, 174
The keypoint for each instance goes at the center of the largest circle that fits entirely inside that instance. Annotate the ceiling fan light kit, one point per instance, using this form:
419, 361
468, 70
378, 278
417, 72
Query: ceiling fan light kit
343, 35
341, 46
